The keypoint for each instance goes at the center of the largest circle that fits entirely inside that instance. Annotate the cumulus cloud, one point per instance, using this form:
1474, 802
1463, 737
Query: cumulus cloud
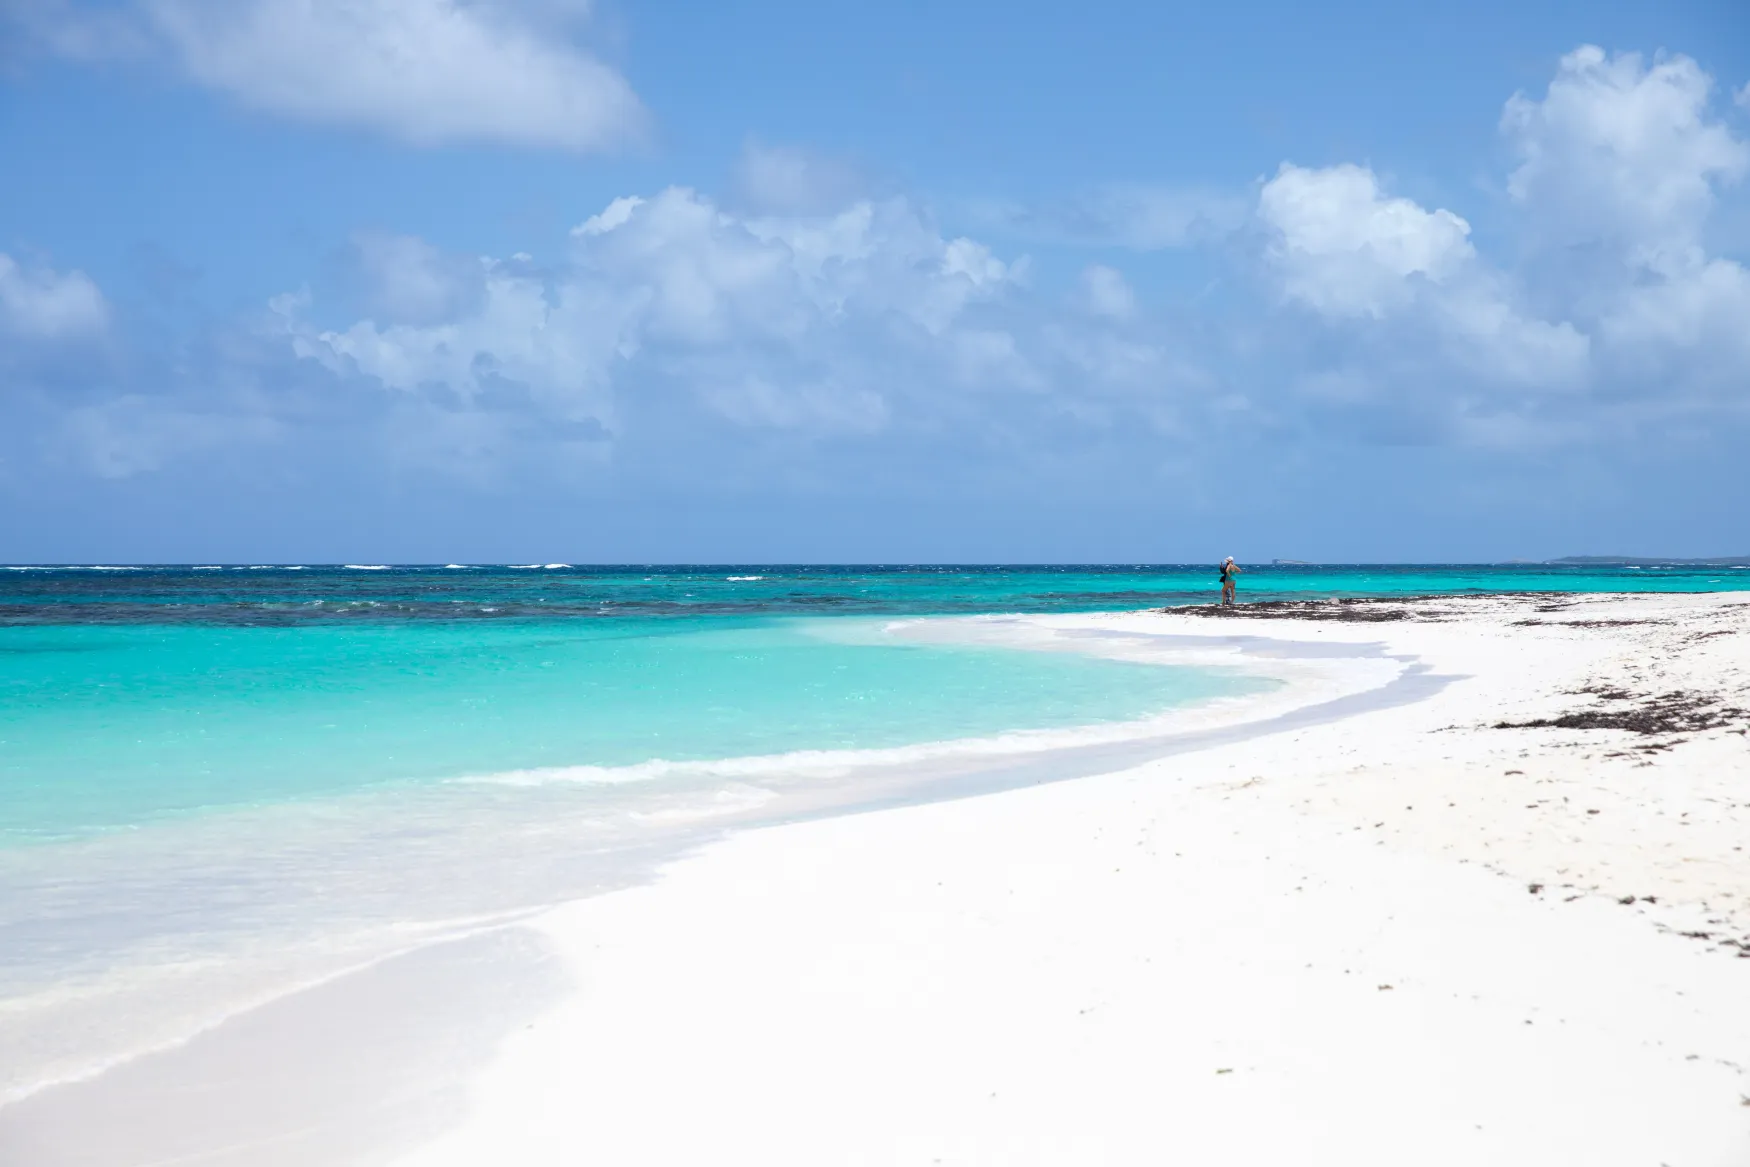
424, 71
1105, 292
1622, 152
1345, 249
814, 310
41, 304
1619, 167
790, 321
803, 313
406, 279
1622, 163
1339, 245
787, 180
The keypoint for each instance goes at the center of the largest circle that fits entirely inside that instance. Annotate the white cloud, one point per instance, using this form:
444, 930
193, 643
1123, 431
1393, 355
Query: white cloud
786, 180
1344, 249
1621, 152
785, 321
425, 71
1105, 292
616, 214
76, 31
1485, 334
803, 313
1683, 331
511, 335
1131, 365
133, 434
42, 304
408, 280
1629, 160
1620, 166
1340, 246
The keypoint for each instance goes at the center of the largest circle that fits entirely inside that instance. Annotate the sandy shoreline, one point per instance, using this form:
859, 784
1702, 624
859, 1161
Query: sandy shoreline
1316, 943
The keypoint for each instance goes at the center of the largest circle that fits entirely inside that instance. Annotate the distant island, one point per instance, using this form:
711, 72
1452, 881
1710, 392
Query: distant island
1636, 561
1588, 561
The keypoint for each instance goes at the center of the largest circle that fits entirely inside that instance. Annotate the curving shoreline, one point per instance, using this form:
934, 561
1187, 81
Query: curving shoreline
1402, 936
872, 969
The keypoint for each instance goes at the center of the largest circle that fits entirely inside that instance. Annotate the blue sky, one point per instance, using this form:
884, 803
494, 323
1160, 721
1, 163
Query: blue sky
433, 280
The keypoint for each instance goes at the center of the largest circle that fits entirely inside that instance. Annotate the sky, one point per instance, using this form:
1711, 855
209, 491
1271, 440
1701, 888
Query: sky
773, 281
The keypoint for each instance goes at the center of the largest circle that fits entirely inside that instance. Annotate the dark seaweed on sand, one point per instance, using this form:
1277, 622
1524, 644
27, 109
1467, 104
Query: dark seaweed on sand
1665, 713
1351, 609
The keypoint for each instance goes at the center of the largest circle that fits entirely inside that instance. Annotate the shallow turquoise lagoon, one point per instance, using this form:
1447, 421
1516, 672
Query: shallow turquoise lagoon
133, 694
104, 726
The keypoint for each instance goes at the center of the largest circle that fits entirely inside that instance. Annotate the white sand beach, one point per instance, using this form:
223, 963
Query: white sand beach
1401, 935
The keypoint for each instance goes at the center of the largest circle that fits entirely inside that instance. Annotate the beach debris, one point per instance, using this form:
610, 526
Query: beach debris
1534, 888
1583, 623
1678, 711
1626, 900
1356, 609
1225, 1070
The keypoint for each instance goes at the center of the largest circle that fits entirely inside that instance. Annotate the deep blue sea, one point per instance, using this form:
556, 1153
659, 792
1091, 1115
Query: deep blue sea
202, 765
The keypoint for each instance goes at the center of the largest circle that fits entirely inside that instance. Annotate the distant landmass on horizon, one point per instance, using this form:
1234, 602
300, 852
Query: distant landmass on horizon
1585, 561
1636, 561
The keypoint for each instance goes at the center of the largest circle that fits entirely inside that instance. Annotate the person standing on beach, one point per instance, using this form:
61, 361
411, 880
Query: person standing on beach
1229, 569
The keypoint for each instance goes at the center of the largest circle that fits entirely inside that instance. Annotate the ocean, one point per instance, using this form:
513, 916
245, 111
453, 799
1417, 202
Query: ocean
220, 782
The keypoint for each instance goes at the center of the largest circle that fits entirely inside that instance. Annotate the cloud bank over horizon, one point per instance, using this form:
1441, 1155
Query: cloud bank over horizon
862, 316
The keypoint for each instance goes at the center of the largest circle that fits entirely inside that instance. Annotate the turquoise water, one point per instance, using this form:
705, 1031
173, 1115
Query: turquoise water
105, 725
133, 694
218, 784
282, 595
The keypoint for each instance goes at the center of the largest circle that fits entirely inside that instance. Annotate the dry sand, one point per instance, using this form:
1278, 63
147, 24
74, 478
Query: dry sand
1406, 936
